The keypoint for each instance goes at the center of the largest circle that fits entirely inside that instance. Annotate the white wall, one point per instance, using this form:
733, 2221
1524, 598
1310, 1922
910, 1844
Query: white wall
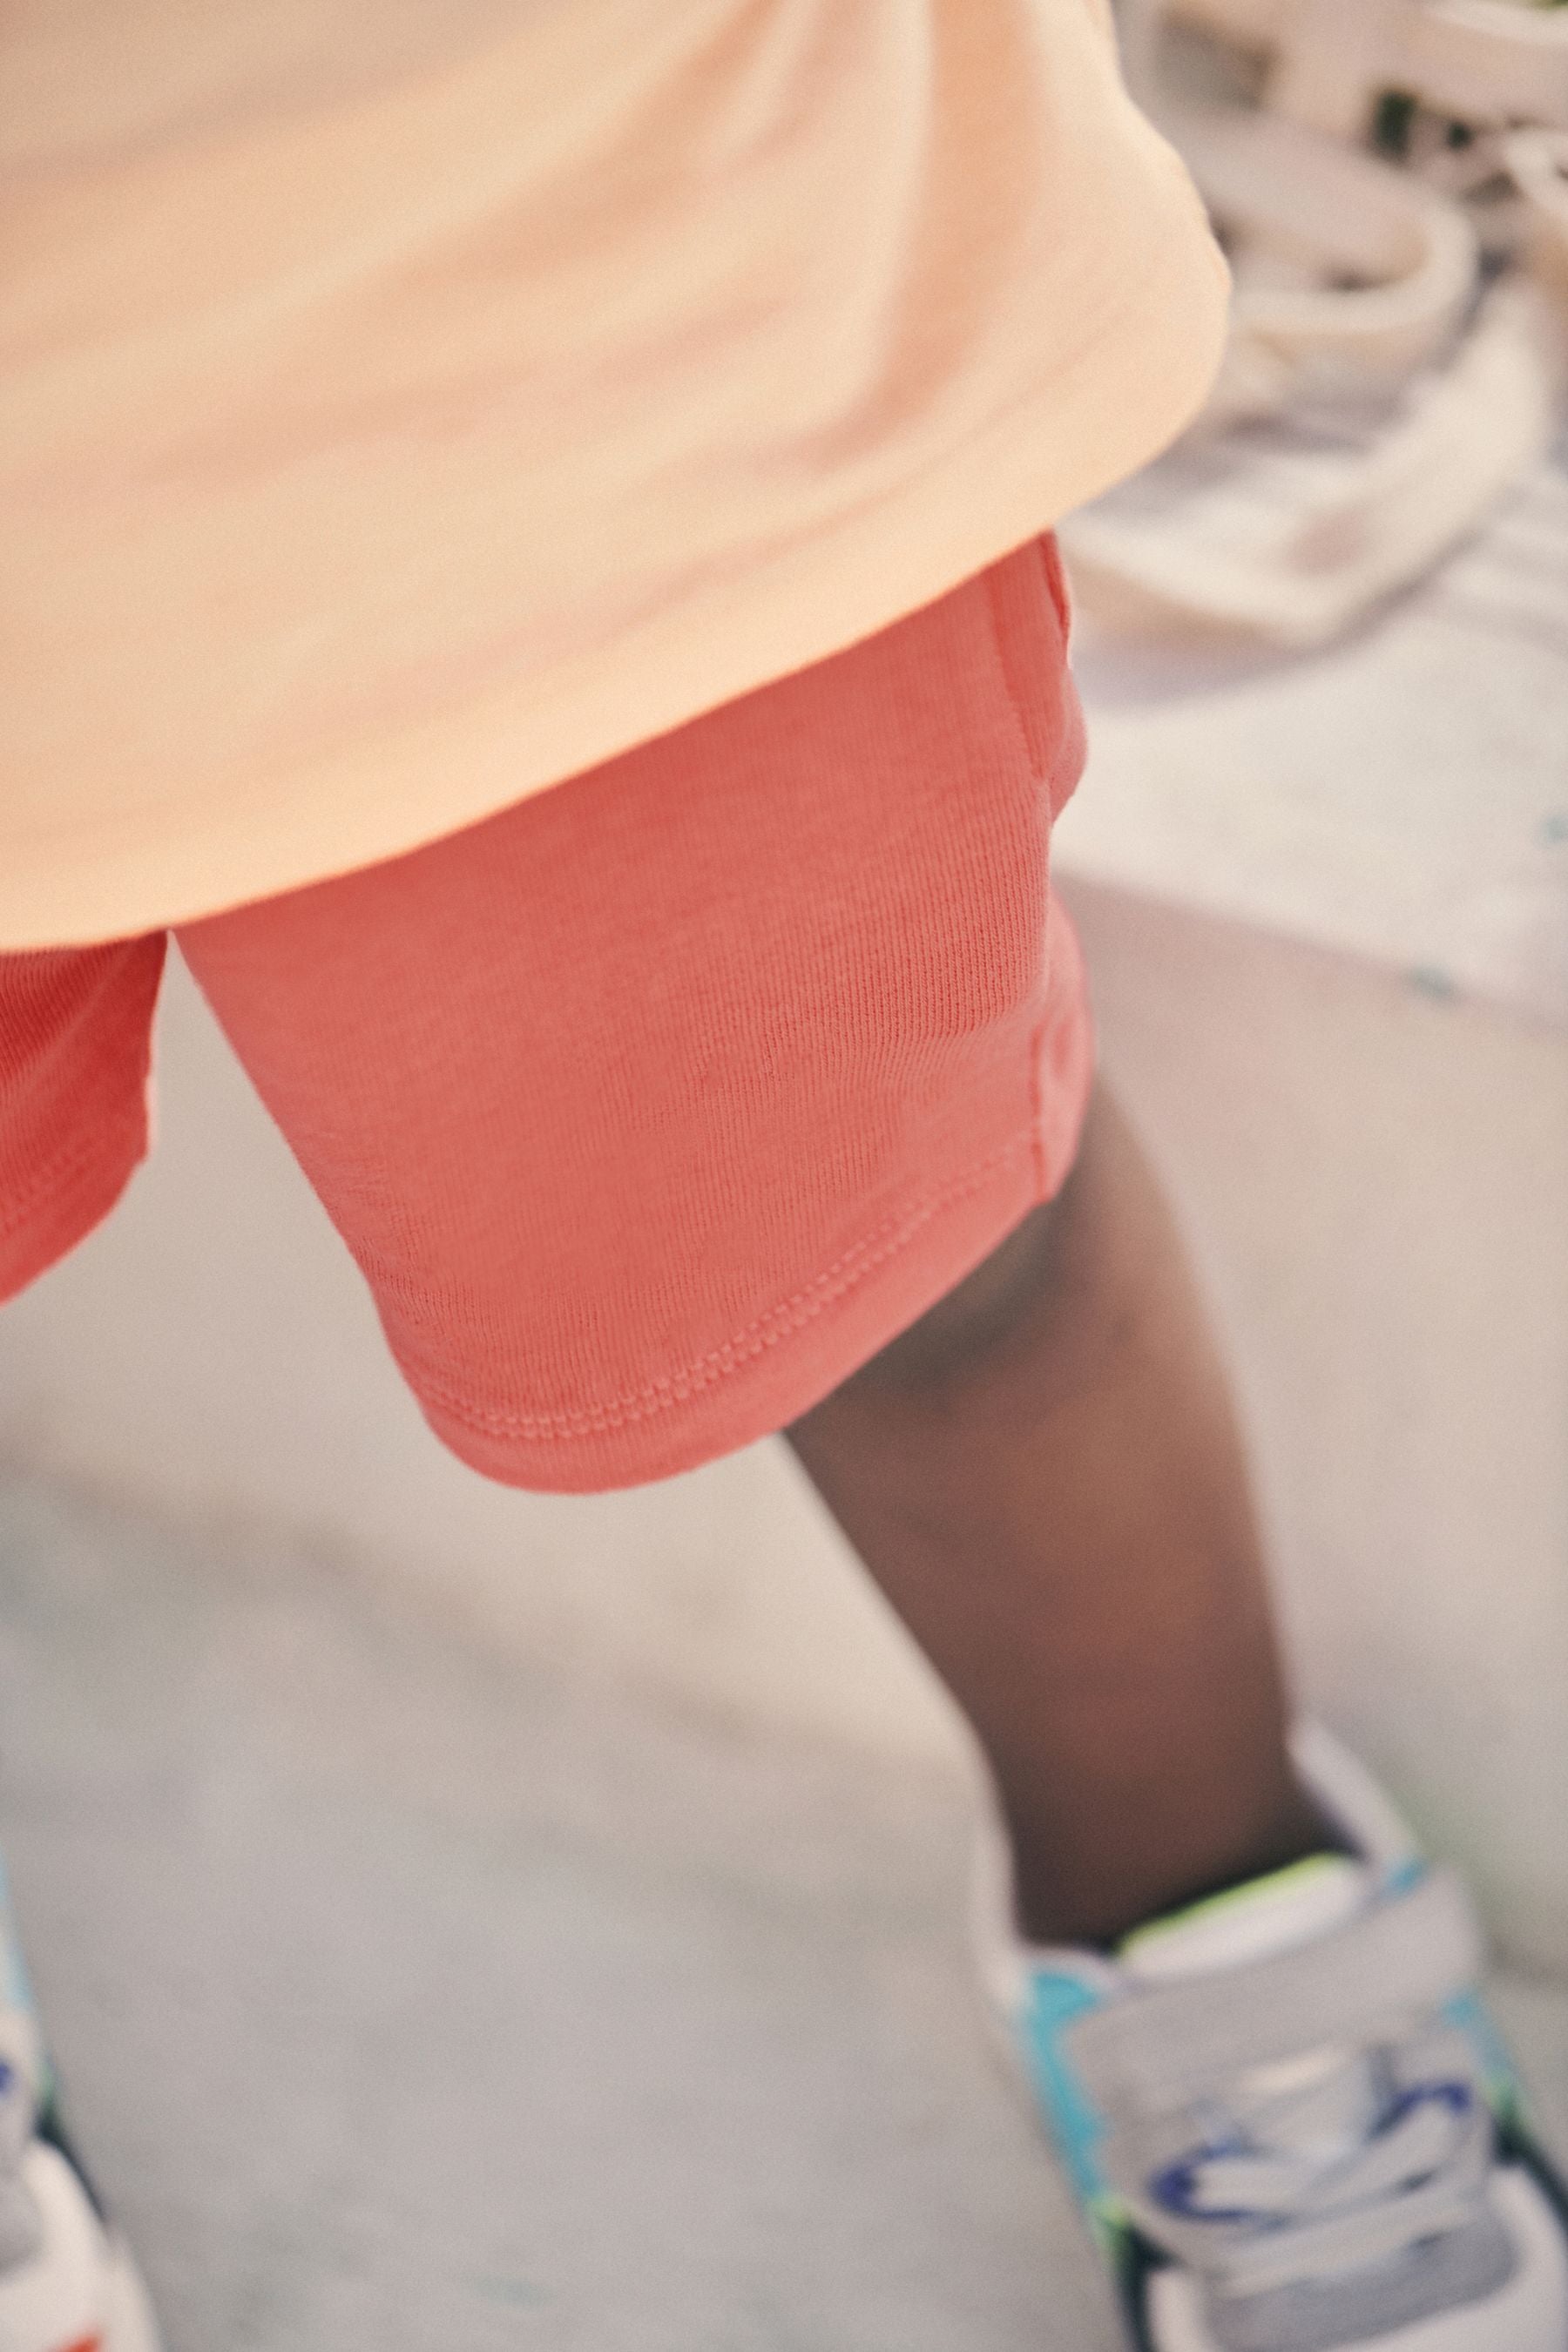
1376, 1182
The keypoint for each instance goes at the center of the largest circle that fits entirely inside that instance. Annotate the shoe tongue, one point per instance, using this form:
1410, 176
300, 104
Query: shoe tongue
1330, 2097
1255, 1922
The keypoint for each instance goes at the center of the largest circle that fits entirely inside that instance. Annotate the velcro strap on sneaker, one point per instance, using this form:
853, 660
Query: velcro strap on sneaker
1398, 1962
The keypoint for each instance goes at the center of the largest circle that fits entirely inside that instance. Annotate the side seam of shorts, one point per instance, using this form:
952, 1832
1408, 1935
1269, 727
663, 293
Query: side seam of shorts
753, 1383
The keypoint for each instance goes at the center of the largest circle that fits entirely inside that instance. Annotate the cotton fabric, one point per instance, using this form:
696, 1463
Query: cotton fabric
651, 1107
404, 408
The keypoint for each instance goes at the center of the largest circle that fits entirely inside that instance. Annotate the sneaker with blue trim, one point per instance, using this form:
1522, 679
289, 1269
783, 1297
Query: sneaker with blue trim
67, 2282
1288, 2118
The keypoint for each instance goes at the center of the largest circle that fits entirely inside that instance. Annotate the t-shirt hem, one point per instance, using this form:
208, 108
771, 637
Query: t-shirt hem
388, 796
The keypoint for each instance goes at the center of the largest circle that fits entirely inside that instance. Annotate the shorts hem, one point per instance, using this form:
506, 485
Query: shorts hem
786, 1361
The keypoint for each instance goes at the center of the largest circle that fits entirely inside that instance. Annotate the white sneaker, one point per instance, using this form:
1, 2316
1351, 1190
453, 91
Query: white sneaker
67, 2282
1288, 2117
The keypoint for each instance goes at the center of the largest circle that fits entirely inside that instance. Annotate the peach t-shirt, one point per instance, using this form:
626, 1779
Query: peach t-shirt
404, 407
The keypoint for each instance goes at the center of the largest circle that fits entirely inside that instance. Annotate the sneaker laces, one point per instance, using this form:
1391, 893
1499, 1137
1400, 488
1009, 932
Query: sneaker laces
1343, 2158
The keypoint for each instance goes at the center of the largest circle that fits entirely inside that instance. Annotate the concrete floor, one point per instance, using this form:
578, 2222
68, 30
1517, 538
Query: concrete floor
405, 2001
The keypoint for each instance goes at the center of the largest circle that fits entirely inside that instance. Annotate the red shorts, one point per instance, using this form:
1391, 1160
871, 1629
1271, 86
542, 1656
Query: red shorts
654, 1105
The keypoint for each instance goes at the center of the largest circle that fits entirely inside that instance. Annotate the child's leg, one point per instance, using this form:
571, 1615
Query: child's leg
1044, 1476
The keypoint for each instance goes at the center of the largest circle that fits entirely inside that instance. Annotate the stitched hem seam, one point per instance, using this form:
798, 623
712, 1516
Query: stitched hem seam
793, 1314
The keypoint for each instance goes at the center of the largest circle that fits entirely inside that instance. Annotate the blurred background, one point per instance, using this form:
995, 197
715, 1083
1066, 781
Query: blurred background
405, 1852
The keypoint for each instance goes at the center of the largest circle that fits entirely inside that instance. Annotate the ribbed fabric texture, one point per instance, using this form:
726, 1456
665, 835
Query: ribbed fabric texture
652, 1106
75, 1048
